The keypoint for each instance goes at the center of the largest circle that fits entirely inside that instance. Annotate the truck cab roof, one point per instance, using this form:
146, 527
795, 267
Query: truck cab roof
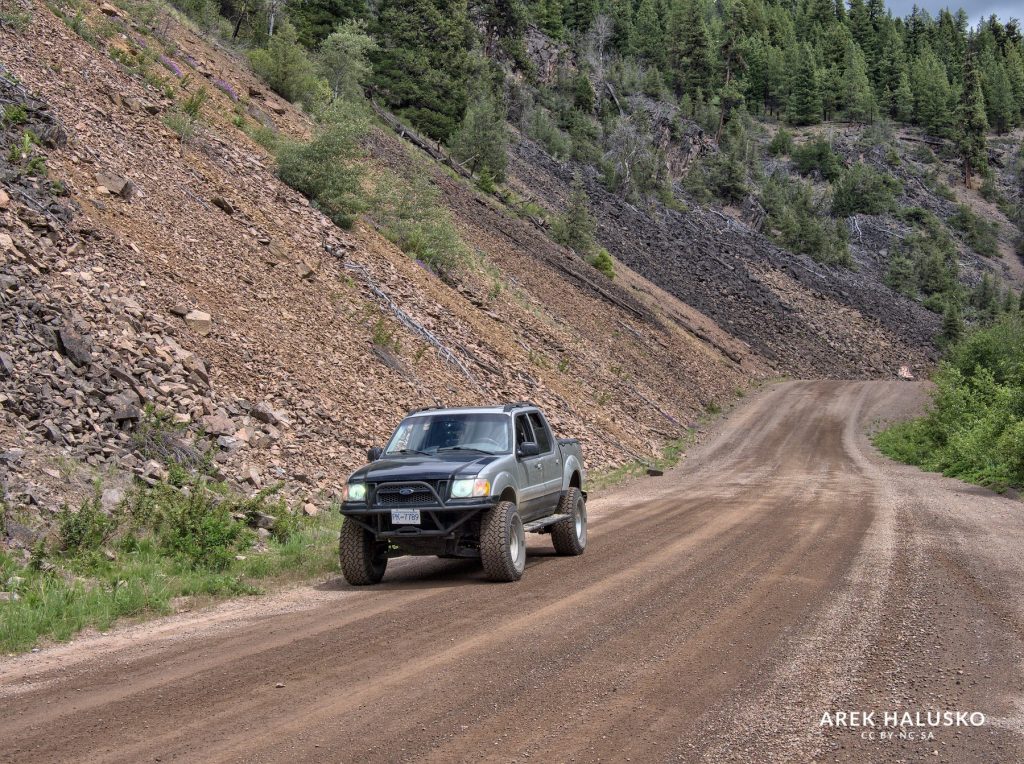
507, 408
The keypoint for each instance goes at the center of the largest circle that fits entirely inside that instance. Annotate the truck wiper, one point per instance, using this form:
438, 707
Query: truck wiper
464, 448
412, 451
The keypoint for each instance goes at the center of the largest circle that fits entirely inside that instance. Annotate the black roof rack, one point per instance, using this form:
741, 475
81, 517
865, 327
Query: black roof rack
518, 405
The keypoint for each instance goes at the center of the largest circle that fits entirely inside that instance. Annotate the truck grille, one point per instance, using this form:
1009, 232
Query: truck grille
416, 494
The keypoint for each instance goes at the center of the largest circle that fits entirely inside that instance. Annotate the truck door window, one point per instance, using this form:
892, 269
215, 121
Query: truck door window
524, 434
540, 432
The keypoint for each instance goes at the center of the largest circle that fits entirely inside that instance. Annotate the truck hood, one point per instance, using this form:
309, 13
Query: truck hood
413, 467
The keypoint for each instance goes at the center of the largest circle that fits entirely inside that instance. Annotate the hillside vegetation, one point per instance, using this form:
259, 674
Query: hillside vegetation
975, 429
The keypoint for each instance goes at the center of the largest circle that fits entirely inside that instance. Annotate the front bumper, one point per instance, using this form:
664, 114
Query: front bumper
438, 522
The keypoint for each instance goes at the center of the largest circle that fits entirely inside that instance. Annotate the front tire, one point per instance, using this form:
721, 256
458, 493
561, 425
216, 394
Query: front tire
363, 560
503, 543
569, 536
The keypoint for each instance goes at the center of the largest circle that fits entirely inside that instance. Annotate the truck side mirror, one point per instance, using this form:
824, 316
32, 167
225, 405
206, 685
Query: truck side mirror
374, 453
527, 449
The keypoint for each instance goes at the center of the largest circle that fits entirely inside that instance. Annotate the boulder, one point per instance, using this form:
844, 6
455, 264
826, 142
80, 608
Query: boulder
223, 204
262, 520
116, 184
111, 498
310, 510
199, 322
218, 424
76, 347
264, 413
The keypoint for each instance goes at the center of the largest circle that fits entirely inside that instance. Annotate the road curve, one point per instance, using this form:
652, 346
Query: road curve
786, 570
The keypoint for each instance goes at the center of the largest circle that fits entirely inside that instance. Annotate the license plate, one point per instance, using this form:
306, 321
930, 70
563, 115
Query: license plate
405, 517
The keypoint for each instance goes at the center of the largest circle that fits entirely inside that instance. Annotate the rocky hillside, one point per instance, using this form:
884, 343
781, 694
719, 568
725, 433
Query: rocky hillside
166, 298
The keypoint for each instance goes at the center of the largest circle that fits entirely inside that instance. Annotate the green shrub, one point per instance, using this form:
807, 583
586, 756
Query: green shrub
412, 216
975, 427
287, 68
781, 143
602, 260
543, 129
980, 235
193, 105
989, 191
817, 156
182, 125
201, 530
863, 189
88, 528
797, 222
576, 228
326, 169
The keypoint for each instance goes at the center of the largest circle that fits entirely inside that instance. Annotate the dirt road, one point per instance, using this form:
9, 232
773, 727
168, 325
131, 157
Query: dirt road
785, 571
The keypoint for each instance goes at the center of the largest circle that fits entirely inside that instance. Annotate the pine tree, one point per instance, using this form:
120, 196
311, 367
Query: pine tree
932, 93
952, 324
621, 14
314, 20
901, 104
550, 15
972, 123
1000, 106
481, 142
421, 68
689, 55
730, 53
804, 95
858, 98
576, 228
578, 15
649, 34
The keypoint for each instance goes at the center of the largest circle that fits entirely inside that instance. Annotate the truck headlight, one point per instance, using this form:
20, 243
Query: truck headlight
354, 492
464, 488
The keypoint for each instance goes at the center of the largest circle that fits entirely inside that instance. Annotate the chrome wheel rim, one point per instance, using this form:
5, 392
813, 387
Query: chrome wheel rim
517, 543
581, 521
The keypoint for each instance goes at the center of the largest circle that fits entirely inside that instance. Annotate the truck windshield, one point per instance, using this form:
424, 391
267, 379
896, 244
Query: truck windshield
483, 433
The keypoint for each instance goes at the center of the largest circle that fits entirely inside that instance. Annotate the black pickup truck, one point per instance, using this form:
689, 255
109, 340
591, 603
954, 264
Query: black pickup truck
464, 482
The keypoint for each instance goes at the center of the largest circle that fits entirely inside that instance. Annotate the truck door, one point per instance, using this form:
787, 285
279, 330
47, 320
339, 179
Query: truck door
551, 457
530, 472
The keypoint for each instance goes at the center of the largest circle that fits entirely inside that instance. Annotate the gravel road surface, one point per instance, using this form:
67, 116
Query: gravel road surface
785, 571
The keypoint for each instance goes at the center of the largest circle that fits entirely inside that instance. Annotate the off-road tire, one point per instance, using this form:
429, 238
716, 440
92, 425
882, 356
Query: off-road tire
503, 559
567, 537
363, 560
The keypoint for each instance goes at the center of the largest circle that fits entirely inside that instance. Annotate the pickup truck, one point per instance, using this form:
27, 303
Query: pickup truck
464, 482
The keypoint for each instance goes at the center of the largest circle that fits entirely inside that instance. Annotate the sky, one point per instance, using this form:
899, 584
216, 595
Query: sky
976, 9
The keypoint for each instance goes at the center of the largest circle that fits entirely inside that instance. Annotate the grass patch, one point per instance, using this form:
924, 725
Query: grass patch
162, 544
671, 453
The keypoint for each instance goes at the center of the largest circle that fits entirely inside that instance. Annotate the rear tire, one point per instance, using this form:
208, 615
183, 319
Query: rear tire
569, 536
363, 560
503, 543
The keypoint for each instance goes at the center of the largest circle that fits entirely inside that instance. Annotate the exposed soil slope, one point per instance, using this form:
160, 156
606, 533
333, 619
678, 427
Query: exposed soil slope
786, 570
297, 305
